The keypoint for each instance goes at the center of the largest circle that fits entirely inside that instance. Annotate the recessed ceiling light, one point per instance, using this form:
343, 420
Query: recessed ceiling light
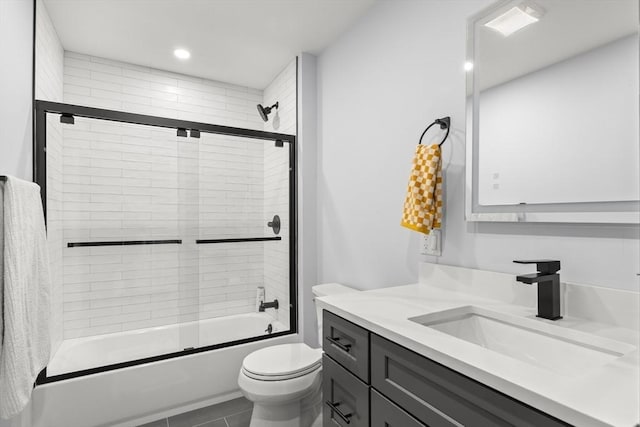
515, 19
182, 53
468, 66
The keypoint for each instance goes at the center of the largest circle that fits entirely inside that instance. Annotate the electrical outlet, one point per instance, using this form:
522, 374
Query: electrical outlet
431, 244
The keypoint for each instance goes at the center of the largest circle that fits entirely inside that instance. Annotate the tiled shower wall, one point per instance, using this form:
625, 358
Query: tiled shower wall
125, 182
276, 185
103, 83
49, 55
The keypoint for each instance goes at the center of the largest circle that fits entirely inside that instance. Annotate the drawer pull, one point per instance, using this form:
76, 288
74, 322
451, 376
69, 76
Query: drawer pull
337, 343
335, 410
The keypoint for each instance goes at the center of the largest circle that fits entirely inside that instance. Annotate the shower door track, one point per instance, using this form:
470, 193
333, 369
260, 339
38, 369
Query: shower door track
42, 108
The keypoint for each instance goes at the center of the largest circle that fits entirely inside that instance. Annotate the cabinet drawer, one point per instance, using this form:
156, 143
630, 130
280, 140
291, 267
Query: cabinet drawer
346, 343
386, 414
346, 398
433, 393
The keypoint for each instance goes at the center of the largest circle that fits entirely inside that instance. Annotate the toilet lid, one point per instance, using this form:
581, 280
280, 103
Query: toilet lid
283, 361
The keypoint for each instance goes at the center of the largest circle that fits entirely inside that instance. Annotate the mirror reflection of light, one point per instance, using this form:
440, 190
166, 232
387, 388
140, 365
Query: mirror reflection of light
468, 66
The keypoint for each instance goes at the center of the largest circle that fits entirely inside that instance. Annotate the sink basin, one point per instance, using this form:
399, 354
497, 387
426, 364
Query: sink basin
561, 350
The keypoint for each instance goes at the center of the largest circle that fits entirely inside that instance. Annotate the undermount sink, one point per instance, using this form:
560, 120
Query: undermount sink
561, 350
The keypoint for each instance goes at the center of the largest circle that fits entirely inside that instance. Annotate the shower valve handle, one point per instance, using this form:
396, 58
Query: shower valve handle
275, 224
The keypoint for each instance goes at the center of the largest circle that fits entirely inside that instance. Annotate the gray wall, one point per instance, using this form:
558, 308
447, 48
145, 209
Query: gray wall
16, 45
399, 68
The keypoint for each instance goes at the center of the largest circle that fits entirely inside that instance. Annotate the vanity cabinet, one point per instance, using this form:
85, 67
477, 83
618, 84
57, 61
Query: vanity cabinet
347, 344
385, 413
438, 395
346, 397
397, 387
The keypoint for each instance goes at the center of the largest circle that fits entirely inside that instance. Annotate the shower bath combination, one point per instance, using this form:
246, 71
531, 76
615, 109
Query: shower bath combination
265, 111
175, 267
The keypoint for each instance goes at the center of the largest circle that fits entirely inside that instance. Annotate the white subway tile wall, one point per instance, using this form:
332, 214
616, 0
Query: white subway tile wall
276, 185
49, 86
131, 182
104, 83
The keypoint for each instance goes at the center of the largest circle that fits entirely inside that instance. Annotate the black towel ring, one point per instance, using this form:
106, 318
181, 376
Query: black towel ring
445, 123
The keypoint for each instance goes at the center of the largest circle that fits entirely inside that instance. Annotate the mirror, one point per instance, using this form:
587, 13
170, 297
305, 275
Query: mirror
552, 112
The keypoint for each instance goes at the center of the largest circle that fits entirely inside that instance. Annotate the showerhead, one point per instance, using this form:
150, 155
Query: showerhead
265, 111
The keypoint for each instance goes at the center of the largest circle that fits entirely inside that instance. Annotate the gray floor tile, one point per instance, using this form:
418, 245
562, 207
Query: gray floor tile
159, 423
240, 420
210, 413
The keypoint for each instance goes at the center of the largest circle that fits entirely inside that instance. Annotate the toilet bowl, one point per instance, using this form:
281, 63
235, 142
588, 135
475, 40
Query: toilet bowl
284, 382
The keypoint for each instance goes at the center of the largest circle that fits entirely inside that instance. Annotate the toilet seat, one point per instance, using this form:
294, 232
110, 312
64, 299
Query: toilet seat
282, 362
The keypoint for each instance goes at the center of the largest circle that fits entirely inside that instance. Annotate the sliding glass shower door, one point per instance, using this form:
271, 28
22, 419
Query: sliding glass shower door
167, 244
244, 185
123, 267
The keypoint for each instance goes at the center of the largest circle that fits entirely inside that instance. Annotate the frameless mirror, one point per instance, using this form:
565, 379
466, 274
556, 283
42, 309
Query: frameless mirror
552, 112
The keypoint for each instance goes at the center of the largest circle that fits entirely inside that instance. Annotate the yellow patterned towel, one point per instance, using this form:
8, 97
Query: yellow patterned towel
423, 205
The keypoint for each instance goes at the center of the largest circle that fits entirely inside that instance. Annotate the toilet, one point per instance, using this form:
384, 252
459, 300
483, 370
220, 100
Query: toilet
284, 382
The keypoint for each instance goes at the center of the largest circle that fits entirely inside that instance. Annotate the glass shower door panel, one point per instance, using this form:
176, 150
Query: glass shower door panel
55, 225
121, 265
233, 229
277, 260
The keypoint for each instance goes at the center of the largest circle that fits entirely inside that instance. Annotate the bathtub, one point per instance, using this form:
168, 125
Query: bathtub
137, 394
79, 354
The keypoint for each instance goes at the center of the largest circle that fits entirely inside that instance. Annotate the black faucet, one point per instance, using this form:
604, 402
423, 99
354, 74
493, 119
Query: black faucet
548, 281
265, 305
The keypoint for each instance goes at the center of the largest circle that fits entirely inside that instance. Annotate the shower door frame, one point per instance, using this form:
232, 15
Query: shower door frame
42, 108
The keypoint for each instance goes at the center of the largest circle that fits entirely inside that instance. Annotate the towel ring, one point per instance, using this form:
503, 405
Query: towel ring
445, 123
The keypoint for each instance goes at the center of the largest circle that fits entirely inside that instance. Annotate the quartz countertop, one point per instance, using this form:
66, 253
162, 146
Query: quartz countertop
608, 395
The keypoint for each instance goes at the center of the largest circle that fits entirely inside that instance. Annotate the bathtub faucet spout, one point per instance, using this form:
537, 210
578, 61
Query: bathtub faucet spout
265, 305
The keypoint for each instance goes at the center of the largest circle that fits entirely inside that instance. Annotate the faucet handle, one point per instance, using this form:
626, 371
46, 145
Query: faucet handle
546, 266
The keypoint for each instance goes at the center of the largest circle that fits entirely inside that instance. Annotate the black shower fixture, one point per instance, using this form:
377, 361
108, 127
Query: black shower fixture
264, 111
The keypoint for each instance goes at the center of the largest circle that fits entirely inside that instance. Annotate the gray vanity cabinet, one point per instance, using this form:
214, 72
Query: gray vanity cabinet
347, 344
371, 381
385, 413
346, 398
440, 396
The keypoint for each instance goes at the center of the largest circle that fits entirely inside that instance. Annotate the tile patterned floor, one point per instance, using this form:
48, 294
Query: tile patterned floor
234, 413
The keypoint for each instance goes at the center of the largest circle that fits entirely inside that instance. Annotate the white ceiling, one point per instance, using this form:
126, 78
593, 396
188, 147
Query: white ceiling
245, 42
568, 28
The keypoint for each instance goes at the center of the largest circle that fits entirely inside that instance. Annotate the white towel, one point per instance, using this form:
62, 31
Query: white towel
24, 295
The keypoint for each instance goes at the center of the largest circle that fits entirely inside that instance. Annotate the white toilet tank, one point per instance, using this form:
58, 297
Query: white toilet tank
325, 290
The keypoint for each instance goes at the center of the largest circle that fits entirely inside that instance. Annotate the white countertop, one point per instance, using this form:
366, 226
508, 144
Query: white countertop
606, 396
